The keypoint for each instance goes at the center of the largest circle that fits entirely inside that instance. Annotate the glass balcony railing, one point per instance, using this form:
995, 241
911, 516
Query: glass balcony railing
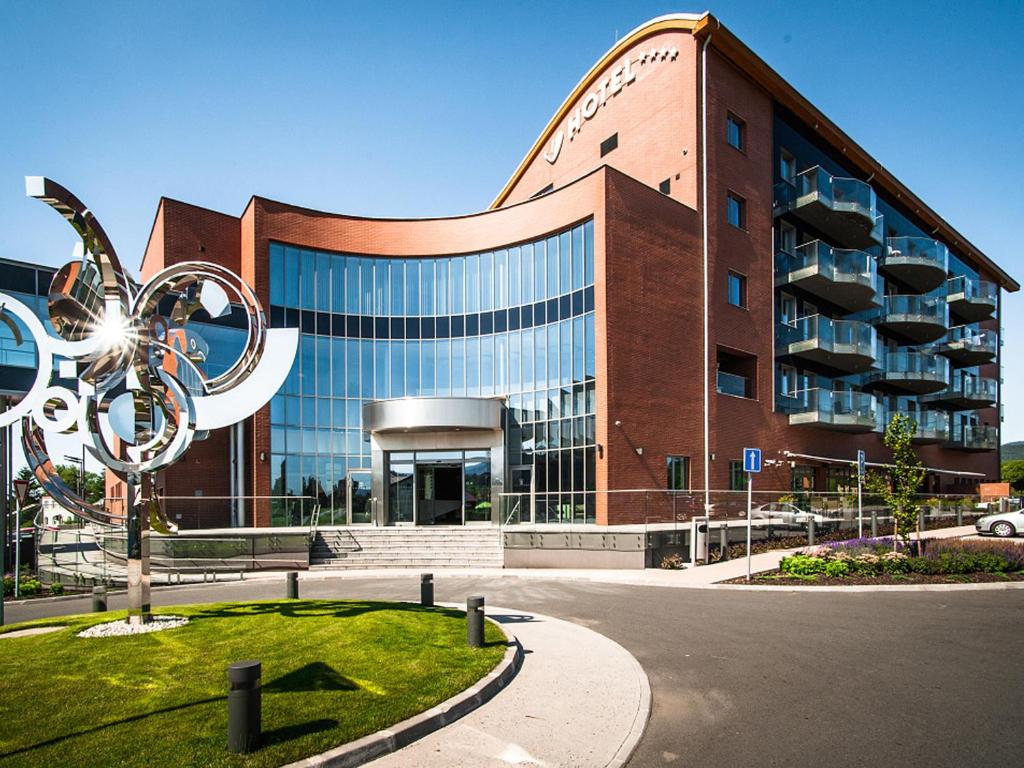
914, 372
968, 345
974, 437
841, 411
847, 278
915, 319
845, 209
846, 346
966, 391
973, 300
732, 384
918, 262
932, 426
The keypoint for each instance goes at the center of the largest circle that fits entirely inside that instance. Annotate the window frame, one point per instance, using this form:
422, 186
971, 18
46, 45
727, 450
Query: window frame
737, 477
783, 155
731, 119
672, 463
610, 144
741, 202
741, 280
786, 227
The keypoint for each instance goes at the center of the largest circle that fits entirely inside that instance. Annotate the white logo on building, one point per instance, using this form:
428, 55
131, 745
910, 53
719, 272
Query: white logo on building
624, 74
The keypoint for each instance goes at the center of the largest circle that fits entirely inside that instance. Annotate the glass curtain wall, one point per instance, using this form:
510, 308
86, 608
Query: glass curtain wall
515, 322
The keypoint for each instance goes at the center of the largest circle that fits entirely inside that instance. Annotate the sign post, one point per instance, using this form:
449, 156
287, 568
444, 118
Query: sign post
860, 494
751, 465
21, 491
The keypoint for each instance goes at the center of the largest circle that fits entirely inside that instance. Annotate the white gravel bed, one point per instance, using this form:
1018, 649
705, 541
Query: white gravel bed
121, 628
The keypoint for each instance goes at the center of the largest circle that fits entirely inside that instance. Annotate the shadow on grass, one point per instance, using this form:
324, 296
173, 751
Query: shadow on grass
104, 726
289, 732
299, 609
315, 676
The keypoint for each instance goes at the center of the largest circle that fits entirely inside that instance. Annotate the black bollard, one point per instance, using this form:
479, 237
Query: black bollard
427, 590
874, 525
959, 517
99, 599
293, 585
475, 621
244, 706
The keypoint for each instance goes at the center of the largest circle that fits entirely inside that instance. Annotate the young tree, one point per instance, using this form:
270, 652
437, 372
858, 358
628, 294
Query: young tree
899, 485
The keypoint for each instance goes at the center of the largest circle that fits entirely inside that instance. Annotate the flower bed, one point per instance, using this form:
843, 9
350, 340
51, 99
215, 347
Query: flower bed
869, 561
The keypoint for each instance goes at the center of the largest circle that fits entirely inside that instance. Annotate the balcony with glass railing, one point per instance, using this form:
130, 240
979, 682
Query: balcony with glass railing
966, 391
968, 345
905, 371
844, 277
828, 345
932, 426
917, 262
971, 300
973, 437
838, 411
914, 319
732, 384
846, 210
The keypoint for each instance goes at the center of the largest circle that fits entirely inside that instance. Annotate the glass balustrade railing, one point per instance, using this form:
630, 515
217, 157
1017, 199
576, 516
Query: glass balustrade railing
966, 391
845, 345
732, 384
932, 426
974, 437
918, 262
845, 277
972, 299
914, 319
841, 410
910, 371
844, 208
968, 345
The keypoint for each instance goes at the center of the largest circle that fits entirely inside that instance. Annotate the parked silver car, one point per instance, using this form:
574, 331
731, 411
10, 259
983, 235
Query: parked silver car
785, 514
1005, 524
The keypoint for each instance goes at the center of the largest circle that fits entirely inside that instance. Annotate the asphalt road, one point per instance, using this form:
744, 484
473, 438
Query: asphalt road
769, 678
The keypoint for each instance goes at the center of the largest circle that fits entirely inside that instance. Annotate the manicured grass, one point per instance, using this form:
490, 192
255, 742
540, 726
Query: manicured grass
333, 671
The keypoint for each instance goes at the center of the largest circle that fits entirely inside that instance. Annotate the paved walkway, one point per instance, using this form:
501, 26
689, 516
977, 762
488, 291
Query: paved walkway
580, 699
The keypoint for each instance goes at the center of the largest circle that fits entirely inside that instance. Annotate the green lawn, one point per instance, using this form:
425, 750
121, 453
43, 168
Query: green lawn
332, 671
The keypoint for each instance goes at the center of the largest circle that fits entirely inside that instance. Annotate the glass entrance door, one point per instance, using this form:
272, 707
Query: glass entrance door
520, 506
439, 493
360, 507
401, 489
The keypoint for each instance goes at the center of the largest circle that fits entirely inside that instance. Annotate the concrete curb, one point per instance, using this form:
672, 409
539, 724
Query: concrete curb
640, 720
404, 733
984, 586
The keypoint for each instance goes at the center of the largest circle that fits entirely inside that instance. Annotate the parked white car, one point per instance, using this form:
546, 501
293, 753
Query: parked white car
786, 514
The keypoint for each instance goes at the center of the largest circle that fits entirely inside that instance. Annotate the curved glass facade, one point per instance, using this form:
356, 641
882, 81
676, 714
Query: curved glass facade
515, 322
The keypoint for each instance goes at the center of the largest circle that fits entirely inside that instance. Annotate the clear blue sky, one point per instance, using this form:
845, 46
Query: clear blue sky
420, 109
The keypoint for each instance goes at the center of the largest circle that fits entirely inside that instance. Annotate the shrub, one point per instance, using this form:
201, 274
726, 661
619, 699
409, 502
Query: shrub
29, 587
673, 562
867, 564
56, 588
837, 569
802, 565
894, 563
8, 585
1011, 554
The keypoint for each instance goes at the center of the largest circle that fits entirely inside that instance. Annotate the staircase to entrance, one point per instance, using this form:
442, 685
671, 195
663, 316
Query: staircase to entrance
406, 547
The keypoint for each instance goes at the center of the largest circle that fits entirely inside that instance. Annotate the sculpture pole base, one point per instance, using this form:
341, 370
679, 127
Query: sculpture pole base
138, 555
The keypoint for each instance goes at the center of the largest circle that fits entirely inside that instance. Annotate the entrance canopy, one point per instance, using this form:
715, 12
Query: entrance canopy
432, 414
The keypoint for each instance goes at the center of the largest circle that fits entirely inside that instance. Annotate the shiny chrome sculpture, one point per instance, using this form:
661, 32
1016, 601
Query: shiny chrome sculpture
142, 395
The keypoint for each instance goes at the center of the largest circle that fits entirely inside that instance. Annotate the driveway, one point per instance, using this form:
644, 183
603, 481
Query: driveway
769, 678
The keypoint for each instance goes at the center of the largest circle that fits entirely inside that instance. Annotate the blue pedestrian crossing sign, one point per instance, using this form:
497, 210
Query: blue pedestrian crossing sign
751, 459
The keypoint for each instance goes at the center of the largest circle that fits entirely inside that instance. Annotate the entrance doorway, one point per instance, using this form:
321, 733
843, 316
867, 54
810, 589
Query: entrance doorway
438, 487
360, 507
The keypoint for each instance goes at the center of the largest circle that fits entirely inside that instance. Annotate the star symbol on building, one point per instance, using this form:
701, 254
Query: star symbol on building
664, 53
672, 53
643, 58
653, 54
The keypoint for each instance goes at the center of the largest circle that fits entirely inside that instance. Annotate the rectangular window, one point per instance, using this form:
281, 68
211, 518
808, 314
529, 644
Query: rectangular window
609, 144
736, 210
737, 477
734, 131
737, 289
679, 473
787, 237
665, 187
787, 166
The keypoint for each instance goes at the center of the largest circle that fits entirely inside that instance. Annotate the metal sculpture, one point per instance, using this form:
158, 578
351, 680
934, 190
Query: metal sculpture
142, 395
